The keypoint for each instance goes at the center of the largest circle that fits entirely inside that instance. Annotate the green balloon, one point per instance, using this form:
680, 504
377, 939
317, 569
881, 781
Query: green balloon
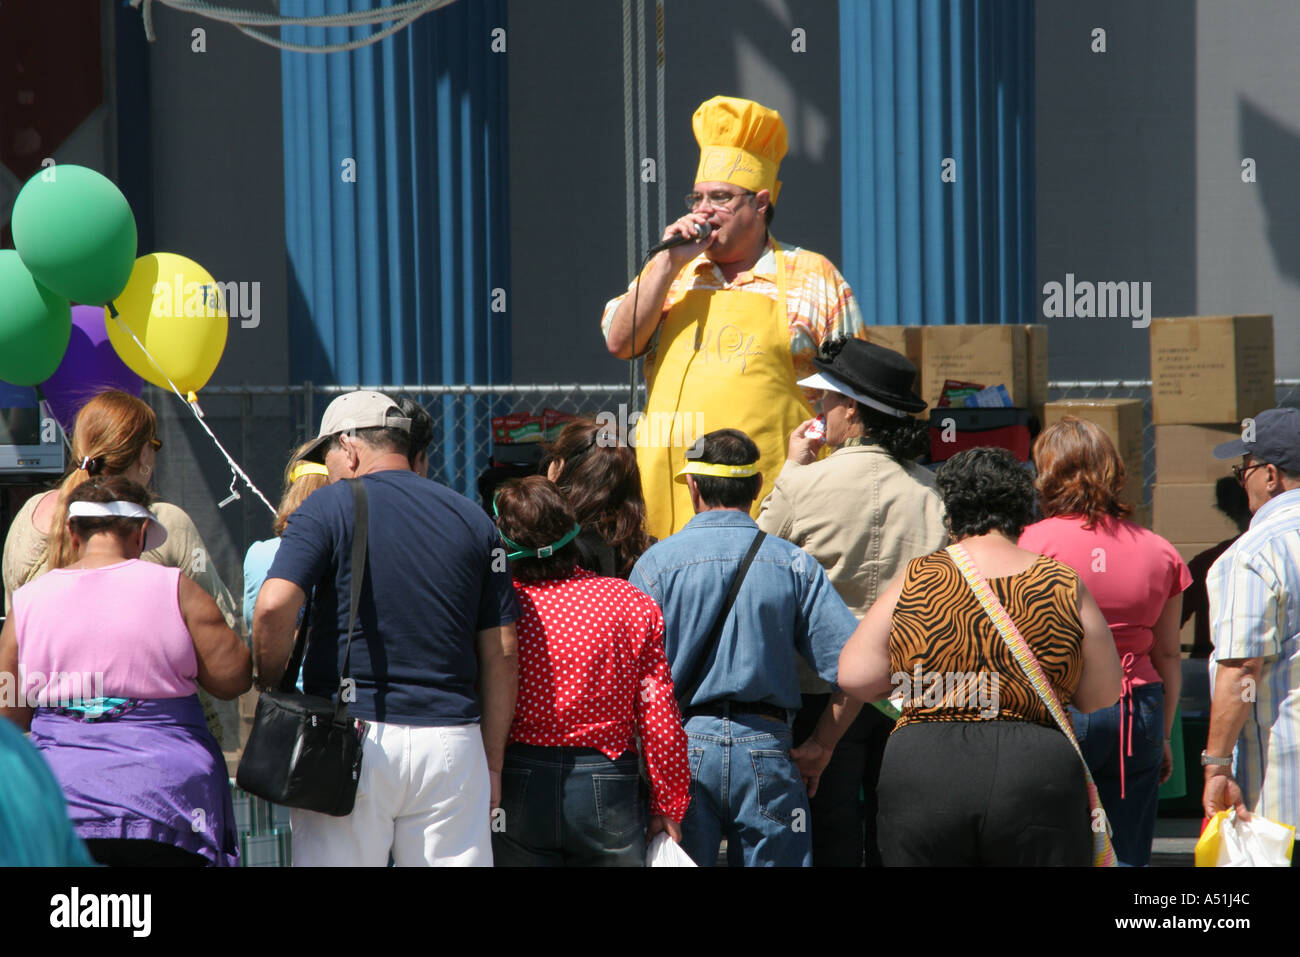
75, 233
35, 324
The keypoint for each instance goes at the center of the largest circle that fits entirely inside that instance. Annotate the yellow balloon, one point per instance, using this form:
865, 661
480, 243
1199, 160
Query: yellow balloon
176, 309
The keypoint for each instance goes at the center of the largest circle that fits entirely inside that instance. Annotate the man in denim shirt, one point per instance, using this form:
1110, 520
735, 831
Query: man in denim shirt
746, 782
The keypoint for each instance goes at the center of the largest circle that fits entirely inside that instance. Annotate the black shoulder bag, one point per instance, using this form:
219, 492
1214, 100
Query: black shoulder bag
304, 751
697, 670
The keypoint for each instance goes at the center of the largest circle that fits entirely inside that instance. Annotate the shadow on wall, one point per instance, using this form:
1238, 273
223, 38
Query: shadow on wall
1275, 150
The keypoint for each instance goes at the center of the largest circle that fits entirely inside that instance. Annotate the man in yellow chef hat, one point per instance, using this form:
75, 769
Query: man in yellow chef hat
729, 323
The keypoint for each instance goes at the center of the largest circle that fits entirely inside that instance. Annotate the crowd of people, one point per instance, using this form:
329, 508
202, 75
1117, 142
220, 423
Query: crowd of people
549, 686
788, 633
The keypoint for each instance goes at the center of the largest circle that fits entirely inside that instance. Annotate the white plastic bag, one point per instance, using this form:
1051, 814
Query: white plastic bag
665, 852
1258, 842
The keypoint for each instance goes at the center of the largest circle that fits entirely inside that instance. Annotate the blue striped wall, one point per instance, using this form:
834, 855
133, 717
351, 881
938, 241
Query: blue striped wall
391, 277
921, 81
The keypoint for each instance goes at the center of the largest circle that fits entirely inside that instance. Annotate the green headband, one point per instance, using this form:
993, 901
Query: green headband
546, 551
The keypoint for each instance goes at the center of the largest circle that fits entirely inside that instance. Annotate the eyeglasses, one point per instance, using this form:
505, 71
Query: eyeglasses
717, 198
156, 443
1240, 473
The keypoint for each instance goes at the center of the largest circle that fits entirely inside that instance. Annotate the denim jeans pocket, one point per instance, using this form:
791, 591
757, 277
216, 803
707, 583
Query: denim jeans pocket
779, 787
1151, 707
694, 757
514, 790
618, 803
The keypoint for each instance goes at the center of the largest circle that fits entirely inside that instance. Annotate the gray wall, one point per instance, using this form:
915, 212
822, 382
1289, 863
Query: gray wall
567, 174
1139, 167
1248, 105
1116, 169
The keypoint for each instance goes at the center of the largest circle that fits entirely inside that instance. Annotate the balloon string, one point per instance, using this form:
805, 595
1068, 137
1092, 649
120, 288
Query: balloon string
40, 395
193, 404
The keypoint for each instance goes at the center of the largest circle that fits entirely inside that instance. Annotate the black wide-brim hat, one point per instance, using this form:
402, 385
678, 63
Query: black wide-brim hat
868, 373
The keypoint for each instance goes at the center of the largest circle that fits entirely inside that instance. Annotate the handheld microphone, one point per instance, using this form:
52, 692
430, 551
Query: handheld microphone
702, 231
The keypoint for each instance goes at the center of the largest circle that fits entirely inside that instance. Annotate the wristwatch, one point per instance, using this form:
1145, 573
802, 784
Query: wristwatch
1207, 760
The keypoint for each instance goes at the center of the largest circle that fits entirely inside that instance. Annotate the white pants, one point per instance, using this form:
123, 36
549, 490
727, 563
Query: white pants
424, 795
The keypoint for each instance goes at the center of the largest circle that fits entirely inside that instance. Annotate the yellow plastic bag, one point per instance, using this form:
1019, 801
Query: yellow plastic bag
1230, 842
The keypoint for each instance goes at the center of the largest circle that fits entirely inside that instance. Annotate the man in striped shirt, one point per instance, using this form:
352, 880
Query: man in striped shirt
1254, 591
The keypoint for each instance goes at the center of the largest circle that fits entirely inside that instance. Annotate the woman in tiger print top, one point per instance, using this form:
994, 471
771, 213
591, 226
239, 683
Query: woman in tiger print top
976, 771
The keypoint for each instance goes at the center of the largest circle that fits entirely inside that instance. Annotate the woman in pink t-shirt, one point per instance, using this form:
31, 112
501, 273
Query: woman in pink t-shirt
1137, 578
109, 653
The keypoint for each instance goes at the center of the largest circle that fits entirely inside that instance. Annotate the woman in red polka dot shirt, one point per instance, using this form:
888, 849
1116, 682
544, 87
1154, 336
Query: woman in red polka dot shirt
593, 678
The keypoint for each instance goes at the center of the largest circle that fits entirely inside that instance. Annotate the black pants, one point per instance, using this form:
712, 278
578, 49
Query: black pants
844, 809
124, 852
1003, 793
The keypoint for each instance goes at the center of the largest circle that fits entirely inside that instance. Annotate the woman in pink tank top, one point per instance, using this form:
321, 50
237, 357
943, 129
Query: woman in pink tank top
1137, 578
107, 655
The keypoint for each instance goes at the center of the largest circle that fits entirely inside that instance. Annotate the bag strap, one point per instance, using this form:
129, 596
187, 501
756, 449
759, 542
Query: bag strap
1103, 853
357, 572
289, 680
686, 690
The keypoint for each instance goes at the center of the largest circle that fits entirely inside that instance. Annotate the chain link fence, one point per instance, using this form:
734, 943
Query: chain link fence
462, 415
261, 425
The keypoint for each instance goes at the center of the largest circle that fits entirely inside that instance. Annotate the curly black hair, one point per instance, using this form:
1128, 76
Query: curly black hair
906, 440
986, 490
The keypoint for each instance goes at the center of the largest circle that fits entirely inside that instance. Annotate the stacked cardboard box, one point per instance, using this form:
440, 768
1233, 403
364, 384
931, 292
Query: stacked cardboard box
1014, 356
1121, 419
902, 339
1208, 374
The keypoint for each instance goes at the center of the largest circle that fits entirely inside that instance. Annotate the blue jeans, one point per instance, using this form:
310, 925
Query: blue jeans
569, 807
744, 785
1133, 818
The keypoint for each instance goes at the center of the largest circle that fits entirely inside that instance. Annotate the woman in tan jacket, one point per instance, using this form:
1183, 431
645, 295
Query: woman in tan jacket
115, 434
863, 512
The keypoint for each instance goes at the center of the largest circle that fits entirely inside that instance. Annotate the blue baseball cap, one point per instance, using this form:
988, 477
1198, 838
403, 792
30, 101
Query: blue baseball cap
1276, 440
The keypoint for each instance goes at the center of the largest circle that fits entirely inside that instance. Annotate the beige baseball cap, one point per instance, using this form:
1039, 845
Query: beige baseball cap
355, 410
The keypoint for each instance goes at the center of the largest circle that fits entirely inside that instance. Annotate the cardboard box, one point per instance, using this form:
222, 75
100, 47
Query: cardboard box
1211, 368
1121, 419
1186, 513
902, 339
1037, 345
1185, 453
1014, 356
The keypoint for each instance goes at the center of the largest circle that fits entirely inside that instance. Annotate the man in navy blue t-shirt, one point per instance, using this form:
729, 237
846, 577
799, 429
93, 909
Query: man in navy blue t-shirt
433, 654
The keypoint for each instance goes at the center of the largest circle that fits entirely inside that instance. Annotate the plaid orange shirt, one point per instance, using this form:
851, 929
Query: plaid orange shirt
819, 303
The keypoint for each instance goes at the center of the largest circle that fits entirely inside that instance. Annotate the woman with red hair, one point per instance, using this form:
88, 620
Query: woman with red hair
1138, 579
599, 477
595, 696
115, 434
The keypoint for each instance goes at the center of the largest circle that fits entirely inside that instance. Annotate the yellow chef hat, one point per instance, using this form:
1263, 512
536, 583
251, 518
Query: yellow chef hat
741, 142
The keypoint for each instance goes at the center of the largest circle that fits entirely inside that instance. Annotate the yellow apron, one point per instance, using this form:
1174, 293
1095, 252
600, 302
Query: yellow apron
723, 362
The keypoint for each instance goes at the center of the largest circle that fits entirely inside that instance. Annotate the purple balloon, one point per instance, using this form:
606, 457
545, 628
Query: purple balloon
88, 368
